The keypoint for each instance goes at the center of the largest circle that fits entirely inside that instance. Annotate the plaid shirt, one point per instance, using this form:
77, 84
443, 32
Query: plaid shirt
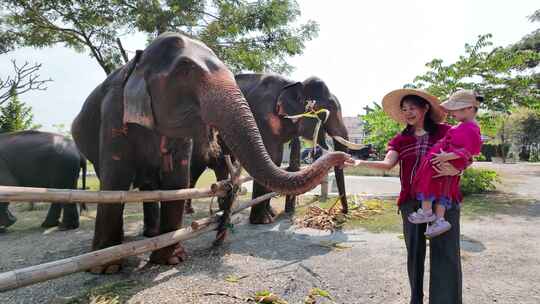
411, 149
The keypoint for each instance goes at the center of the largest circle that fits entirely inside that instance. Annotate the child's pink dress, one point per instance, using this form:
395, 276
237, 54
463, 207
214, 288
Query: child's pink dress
465, 141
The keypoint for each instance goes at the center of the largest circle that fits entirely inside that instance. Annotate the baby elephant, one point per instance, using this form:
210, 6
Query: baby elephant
41, 159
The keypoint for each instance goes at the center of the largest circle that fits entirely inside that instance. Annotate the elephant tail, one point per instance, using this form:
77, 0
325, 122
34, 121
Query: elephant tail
83, 165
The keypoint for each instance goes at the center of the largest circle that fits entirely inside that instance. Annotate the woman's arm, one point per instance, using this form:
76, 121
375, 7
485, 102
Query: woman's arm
390, 160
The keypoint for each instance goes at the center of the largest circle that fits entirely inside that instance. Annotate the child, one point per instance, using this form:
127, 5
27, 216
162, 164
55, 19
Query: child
457, 147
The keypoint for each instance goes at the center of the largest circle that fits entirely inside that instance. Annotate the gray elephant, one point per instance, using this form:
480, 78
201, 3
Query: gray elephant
274, 101
137, 129
41, 159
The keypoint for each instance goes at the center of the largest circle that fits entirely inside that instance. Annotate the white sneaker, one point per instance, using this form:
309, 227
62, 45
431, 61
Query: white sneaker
421, 217
438, 227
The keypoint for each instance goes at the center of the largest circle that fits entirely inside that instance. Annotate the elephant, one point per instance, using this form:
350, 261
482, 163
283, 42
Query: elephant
273, 99
137, 128
41, 159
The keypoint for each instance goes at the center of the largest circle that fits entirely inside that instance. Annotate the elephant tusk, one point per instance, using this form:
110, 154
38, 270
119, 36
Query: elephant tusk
347, 143
295, 118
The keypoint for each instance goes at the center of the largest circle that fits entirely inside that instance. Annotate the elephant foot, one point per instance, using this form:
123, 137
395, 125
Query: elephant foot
271, 211
112, 268
164, 256
7, 220
150, 231
262, 219
50, 224
64, 227
189, 209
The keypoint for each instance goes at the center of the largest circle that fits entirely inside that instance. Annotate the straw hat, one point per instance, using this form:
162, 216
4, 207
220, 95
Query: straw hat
461, 99
391, 104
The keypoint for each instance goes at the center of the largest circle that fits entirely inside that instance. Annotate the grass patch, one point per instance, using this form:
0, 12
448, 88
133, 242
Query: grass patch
92, 182
386, 220
478, 205
109, 293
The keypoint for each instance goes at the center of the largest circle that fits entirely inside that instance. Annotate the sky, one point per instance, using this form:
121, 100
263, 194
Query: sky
364, 50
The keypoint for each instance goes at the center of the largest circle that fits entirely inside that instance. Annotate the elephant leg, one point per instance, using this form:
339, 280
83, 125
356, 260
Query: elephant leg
70, 218
261, 213
196, 171
151, 219
108, 231
225, 203
53, 216
150, 214
6, 217
294, 165
172, 212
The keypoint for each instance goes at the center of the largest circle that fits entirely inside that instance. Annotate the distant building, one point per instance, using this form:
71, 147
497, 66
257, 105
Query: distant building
355, 128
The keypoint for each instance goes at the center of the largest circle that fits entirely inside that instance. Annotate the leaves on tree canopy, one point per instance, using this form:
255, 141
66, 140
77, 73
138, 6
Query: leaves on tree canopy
255, 36
500, 74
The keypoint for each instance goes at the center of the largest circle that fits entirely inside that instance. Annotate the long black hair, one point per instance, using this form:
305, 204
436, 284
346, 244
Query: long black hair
429, 125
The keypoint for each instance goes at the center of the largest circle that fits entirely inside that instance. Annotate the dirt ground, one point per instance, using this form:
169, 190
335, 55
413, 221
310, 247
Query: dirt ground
500, 255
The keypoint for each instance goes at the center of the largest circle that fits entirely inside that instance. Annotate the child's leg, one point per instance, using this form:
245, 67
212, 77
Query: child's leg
426, 206
439, 210
440, 225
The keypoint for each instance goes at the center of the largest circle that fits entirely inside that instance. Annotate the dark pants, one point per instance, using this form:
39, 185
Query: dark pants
445, 260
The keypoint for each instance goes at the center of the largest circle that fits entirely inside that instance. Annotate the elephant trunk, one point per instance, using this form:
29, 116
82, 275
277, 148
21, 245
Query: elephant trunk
224, 107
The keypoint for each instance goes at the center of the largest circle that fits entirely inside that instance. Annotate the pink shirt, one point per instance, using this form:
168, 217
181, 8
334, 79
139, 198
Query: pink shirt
411, 149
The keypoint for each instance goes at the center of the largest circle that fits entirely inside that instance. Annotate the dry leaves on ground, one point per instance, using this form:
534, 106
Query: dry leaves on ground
333, 218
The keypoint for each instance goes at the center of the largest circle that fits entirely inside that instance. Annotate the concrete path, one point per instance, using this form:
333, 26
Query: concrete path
369, 186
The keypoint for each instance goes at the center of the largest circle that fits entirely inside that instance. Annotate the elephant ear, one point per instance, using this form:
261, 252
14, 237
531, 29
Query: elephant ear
291, 100
137, 100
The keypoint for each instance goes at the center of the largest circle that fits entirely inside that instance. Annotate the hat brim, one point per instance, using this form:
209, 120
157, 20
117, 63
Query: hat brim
453, 105
391, 104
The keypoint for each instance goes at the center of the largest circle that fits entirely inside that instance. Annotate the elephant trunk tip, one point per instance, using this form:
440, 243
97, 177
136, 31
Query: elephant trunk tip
335, 159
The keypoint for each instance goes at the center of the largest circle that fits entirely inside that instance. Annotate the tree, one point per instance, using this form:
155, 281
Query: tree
256, 35
16, 116
380, 129
25, 78
531, 41
498, 73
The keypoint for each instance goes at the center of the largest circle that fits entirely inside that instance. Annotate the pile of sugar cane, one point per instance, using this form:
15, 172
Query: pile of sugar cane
332, 218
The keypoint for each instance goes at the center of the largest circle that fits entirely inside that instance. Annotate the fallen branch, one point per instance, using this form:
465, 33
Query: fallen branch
224, 294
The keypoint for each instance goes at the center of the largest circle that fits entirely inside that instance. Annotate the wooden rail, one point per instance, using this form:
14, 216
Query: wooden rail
34, 274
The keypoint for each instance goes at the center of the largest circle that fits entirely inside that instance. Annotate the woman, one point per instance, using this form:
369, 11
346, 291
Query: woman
423, 116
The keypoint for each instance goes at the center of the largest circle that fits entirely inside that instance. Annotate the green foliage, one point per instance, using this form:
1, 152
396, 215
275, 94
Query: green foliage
480, 157
531, 41
16, 116
256, 36
62, 129
476, 181
498, 73
379, 128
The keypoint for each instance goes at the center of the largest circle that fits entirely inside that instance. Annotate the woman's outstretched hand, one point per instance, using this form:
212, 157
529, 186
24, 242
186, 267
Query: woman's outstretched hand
445, 169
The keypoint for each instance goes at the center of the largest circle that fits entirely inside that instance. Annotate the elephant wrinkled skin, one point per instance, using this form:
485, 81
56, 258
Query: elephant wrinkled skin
137, 128
45, 160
